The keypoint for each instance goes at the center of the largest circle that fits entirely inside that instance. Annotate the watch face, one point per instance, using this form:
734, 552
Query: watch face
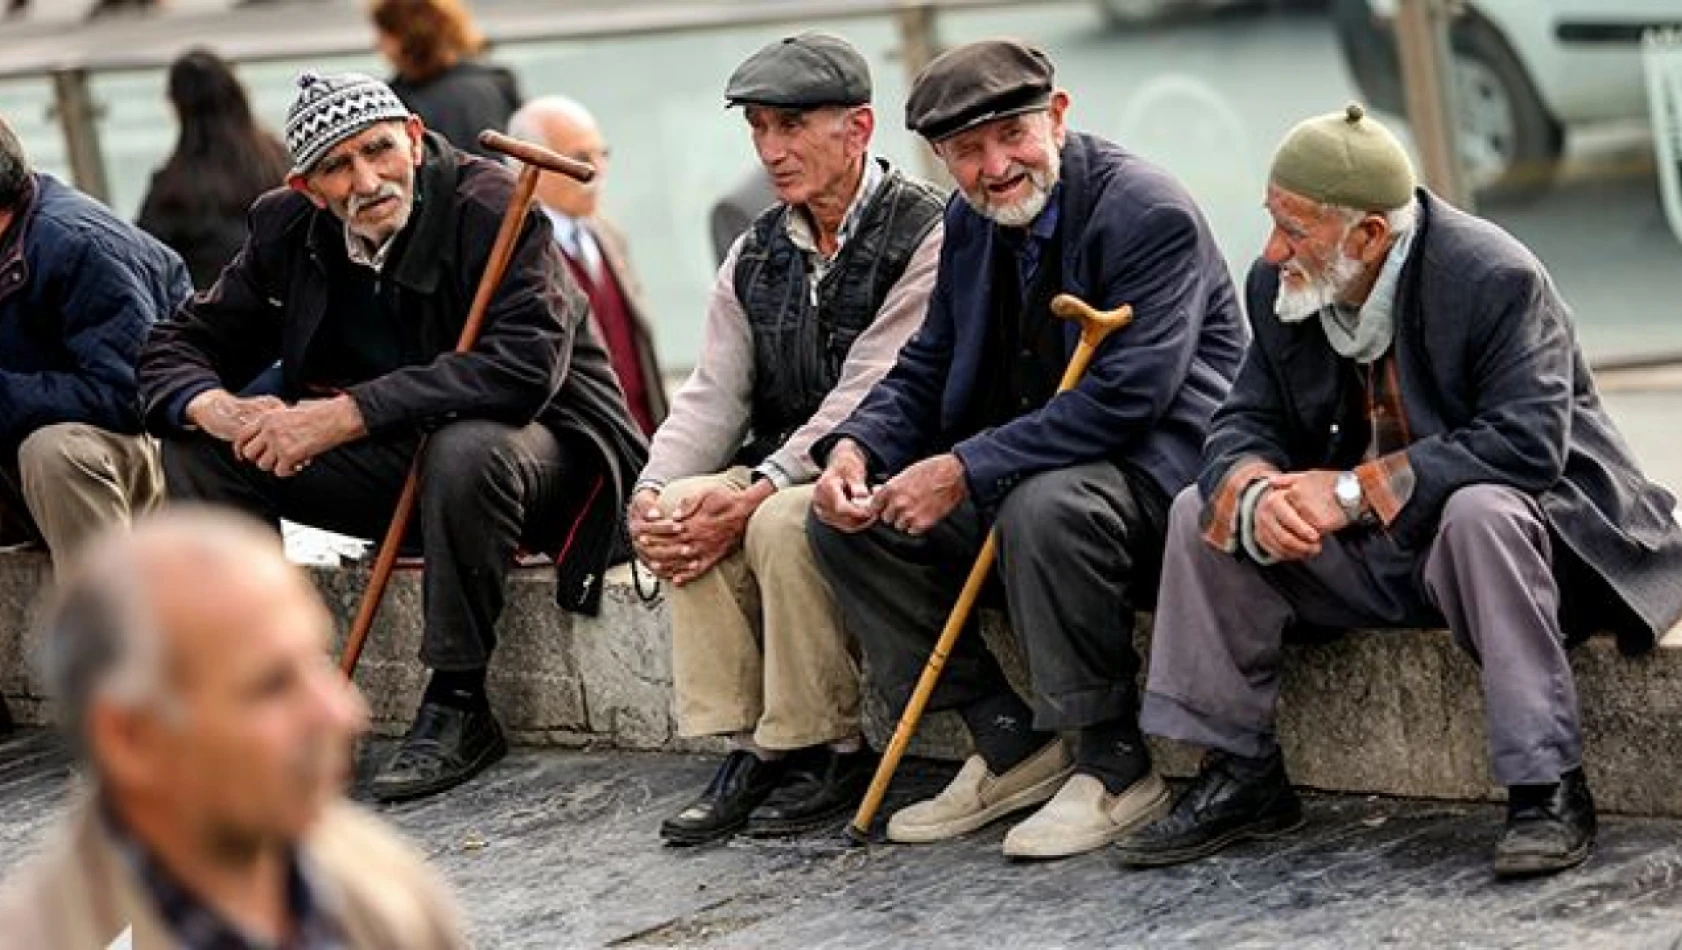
1348, 490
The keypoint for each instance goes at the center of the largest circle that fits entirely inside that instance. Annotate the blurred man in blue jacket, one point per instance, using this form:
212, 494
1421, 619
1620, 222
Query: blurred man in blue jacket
79, 289
969, 433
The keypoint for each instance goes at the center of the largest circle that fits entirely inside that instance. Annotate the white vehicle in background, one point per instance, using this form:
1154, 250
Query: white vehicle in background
1526, 72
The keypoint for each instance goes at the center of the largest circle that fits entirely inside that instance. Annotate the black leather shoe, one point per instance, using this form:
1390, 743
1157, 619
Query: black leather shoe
820, 786
737, 788
1548, 829
1230, 800
444, 748
5, 718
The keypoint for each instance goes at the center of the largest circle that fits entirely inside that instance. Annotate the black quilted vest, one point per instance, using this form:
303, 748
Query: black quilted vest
802, 332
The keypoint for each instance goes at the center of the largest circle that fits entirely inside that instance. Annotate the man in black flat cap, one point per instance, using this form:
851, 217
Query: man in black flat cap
969, 435
810, 306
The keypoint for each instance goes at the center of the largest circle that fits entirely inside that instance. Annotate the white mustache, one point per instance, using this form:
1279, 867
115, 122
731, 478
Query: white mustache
385, 190
1015, 169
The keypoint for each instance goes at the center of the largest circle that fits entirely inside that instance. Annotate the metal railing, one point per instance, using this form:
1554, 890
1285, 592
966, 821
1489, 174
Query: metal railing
78, 113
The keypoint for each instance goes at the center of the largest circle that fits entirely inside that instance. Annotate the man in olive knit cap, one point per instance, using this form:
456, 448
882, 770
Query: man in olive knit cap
1414, 440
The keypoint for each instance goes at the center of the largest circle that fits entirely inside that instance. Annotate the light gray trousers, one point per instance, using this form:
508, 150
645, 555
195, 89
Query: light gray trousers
1220, 622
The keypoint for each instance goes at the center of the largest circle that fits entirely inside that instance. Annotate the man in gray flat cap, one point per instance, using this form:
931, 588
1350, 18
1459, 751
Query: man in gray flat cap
809, 308
968, 433
357, 279
1415, 438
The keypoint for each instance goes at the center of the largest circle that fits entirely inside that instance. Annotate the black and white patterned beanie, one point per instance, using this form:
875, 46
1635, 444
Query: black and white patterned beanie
330, 109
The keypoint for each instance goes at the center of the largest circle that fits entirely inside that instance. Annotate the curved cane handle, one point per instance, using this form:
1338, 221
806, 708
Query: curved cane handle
1095, 324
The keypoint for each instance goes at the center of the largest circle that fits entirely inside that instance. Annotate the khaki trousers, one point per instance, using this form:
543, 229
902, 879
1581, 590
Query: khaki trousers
757, 642
73, 480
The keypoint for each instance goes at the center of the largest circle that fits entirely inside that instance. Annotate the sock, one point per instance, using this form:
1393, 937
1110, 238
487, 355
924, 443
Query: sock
457, 689
847, 746
744, 741
1002, 727
1114, 753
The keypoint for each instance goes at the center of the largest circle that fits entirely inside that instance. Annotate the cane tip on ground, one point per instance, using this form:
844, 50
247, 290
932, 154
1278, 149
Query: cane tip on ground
855, 837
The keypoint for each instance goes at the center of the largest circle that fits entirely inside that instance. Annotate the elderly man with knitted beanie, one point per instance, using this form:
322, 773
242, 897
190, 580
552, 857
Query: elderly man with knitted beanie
356, 280
1414, 440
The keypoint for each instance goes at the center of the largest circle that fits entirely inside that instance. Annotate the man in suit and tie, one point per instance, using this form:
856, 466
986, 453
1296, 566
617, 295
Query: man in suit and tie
595, 250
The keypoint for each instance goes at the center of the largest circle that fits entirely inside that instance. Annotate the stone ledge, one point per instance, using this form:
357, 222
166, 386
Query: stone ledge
1386, 712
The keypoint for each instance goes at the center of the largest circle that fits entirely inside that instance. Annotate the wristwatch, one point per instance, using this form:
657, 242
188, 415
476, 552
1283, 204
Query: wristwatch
1347, 490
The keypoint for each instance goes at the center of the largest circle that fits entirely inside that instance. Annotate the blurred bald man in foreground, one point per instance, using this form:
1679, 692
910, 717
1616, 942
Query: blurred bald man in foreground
190, 664
596, 252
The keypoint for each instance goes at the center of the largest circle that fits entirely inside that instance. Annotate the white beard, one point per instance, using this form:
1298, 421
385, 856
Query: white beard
1022, 213
1296, 304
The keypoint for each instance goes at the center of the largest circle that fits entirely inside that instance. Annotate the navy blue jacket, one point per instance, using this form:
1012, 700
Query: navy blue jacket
79, 290
1129, 233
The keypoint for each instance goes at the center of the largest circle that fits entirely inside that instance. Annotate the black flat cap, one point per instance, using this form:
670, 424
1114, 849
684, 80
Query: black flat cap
801, 72
977, 83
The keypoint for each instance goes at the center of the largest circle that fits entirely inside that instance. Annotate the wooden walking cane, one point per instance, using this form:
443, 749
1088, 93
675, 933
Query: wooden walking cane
1095, 326
537, 160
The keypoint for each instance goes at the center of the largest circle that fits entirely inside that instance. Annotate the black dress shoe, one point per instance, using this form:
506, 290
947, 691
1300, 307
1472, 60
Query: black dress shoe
1548, 829
821, 785
737, 788
445, 747
1230, 800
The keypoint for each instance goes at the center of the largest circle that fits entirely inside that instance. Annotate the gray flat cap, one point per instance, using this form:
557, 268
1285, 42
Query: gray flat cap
801, 72
977, 83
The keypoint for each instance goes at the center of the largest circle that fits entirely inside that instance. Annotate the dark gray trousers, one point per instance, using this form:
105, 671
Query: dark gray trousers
1078, 551
485, 486
1220, 622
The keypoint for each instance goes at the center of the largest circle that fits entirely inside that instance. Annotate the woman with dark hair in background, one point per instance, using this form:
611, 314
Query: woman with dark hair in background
222, 161
434, 46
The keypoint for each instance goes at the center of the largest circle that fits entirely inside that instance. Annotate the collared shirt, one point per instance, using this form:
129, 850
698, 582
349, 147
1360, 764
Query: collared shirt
362, 251
576, 241
196, 926
804, 234
1029, 244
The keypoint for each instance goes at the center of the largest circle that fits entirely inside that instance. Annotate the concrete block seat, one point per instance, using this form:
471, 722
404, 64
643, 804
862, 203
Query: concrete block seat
1394, 712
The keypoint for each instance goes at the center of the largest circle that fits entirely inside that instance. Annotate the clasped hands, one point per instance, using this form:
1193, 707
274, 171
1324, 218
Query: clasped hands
1297, 513
276, 437
683, 543
913, 501
689, 539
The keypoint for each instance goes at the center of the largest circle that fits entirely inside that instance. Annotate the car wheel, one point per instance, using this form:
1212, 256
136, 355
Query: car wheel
1509, 145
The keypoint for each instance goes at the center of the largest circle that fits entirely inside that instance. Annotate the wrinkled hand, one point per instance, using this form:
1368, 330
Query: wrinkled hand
1296, 513
704, 529
653, 534
1314, 496
842, 497
923, 495
223, 415
284, 441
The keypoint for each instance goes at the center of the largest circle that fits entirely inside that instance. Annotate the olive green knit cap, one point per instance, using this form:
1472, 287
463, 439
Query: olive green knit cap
1346, 159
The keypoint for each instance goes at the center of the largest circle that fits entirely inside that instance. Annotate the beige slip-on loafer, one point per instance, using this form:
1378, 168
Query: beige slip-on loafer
1083, 817
976, 797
